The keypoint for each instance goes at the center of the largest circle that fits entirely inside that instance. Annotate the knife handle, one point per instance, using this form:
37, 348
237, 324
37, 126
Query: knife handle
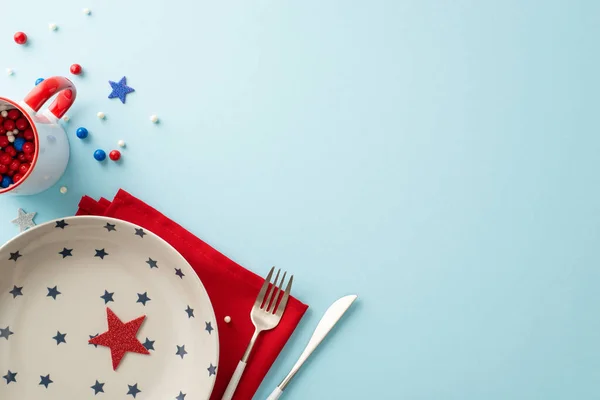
235, 380
276, 394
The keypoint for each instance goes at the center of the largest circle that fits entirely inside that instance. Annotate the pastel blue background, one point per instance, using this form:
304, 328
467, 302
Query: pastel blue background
438, 158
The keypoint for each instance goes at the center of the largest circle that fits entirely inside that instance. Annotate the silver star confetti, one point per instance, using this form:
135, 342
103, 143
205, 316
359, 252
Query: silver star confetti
24, 220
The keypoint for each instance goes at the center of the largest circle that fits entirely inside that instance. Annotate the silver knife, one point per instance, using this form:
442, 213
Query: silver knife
331, 317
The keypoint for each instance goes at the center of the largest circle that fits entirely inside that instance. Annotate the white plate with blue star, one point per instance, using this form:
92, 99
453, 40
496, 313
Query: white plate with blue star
93, 307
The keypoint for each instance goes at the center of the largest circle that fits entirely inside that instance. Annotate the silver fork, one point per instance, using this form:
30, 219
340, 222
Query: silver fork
265, 315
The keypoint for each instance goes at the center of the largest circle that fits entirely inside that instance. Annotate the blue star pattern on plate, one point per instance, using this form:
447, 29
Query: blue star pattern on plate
16, 291
140, 232
91, 337
61, 224
179, 273
212, 370
5, 333
181, 396
107, 296
101, 253
110, 227
181, 351
190, 312
143, 298
149, 344
10, 377
45, 380
98, 387
209, 327
15, 256
66, 252
53, 292
120, 89
60, 338
133, 390
152, 263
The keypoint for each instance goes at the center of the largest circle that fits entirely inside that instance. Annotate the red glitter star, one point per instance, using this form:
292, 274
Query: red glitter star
120, 337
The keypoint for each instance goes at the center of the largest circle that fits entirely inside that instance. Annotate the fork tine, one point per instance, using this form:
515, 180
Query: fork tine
271, 308
263, 289
285, 298
271, 290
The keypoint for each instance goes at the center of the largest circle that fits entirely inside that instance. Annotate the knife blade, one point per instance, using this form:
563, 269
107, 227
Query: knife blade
328, 321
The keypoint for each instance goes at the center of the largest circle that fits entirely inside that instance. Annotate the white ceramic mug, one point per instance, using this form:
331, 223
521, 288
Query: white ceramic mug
51, 143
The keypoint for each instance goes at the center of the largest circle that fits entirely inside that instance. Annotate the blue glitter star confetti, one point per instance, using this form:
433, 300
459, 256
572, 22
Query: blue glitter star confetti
110, 227
101, 253
209, 327
179, 273
212, 370
10, 377
143, 298
5, 333
181, 351
91, 337
190, 312
107, 296
60, 338
120, 89
152, 263
53, 292
140, 232
149, 344
16, 291
66, 252
61, 224
181, 396
133, 390
45, 380
14, 256
98, 387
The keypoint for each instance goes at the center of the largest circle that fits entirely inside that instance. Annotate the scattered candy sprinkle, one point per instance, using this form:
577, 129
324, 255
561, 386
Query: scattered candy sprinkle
81, 133
121, 143
63, 189
9, 71
154, 119
99, 155
52, 26
38, 81
227, 319
75, 69
101, 115
87, 11
20, 38
115, 155
66, 118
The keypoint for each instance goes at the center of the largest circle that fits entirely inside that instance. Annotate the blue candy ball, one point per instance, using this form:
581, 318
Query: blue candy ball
6, 181
81, 133
18, 143
38, 81
99, 155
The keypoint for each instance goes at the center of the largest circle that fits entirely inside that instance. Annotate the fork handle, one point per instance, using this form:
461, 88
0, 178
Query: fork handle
276, 394
235, 380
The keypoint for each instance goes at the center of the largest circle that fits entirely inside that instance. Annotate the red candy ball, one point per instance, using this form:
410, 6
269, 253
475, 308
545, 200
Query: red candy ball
29, 157
10, 150
76, 69
3, 169
2, 130
22, 124
21, 157
9, 125
28, 134
14, 165
4, 141
24, 168
17, 177
114, 155
20, 38
10, 173
28, 148
14, 114
5, 159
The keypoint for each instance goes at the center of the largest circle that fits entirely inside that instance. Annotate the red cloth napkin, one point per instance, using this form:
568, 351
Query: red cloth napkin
231, 288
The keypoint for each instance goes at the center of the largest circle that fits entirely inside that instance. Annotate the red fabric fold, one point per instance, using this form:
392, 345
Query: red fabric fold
231, 288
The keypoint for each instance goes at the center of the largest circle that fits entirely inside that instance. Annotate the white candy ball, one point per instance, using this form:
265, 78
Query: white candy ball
52, 26
15, 131
9, 71
87, 11
4, 113
154, 119
11, 138
121, 143
227, 319
63, 189
101, 115
66, 118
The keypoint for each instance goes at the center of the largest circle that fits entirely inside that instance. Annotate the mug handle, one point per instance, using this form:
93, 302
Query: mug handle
48, 88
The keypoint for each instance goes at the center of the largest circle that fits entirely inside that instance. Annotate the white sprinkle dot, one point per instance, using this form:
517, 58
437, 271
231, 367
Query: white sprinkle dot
227, 319
87, 11
66, 118
4, 113
9, 71
15, 131
101, 115
52, 26
11, 138
63, 189
154, 119
121, 143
